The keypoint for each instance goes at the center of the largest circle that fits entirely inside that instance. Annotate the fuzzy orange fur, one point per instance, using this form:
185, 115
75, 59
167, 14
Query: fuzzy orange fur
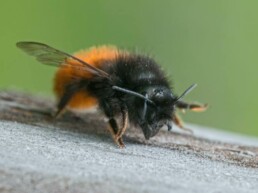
65, 74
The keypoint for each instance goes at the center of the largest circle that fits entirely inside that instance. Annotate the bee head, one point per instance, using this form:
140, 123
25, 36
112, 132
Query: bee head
155, 106
154, 116
158, 110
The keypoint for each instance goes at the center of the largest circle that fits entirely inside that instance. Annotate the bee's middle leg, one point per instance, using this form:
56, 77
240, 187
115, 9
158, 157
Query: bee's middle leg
113, 128
123, 121
118, 120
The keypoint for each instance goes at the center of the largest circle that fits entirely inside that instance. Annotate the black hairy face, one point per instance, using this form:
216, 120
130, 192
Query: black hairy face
153, 117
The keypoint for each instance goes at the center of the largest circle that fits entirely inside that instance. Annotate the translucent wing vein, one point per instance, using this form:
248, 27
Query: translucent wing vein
48, 55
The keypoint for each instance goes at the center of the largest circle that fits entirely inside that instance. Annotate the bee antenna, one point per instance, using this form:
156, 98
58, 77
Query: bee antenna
132, 93
186, 92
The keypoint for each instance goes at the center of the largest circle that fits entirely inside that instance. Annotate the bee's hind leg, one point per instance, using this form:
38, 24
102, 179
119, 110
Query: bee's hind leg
62, 104
69, 92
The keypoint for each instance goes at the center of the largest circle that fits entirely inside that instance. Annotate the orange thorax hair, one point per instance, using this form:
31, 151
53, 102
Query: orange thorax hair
65, 74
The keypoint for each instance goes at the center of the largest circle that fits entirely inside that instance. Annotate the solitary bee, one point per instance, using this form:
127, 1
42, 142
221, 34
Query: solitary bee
127, 87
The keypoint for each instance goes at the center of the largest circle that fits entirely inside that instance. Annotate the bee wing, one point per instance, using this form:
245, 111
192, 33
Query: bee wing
48, 55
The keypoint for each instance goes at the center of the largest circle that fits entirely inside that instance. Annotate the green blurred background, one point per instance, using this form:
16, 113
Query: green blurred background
212, 43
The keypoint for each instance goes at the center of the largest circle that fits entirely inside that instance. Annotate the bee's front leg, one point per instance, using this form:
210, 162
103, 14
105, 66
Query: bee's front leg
191, 106
178, 121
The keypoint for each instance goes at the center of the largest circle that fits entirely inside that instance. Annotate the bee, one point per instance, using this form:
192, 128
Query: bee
127, 87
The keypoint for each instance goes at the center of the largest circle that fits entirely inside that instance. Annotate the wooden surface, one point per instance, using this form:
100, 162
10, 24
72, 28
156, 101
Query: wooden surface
23, 114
